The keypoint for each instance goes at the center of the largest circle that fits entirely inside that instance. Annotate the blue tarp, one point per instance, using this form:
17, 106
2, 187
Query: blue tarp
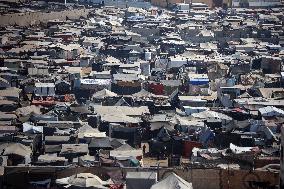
201, 81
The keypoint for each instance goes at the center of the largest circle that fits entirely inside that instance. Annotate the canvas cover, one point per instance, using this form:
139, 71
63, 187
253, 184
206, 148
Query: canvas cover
104, 94
15, 148
83, 180
172, 182
125, 152
28, 128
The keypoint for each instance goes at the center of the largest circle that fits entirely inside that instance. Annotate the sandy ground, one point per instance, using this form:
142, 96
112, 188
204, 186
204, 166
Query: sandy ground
152, 161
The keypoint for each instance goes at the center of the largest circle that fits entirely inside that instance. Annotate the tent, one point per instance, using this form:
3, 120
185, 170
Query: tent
86, 131
140, 180
28, 110
211, 114
15, 148
271, 111
172, 182
17, 152
103, 94
28, 128
83, 180
97, 144
143, 94
125, 152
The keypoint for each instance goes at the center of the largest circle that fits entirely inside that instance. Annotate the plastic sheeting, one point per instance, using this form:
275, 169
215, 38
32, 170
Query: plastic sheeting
104, 94
83, 180
239, 150
15, 148
172, 182
125, 152
28, 128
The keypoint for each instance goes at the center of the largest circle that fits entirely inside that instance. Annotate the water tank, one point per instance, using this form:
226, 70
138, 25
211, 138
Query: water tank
148, 55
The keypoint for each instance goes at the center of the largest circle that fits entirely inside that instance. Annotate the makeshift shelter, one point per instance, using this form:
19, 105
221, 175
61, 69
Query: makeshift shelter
4, 83
103, 94
271, 111
87, 131
172, 182
99, 143
122, 102
55, 140
71, 151
11, 93
126, 152
140, 180
28, 128
158, 121
83, 180
51, 159
227, 121
7, 116
143, 94
86, 160
131, 134
126, 110
52, 148
24, 113
8, 105
17, 153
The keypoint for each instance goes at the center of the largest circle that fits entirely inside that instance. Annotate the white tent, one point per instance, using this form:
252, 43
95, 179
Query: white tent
103, 94
172, 182
83, 180
86, 131
143, 94
211, 114
28, 128
271, 111
125, 152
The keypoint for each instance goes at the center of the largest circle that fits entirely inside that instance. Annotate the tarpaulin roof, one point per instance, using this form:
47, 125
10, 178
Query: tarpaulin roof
74, 149
24, 111
239, 150
172, 182
7, 116
100, 143
125, 152
28, 128
10, 92
103, 94
116, 118
83, 180
88, 131
271, 111
143, 93
15, 148
48, 158
126, 110
211, 114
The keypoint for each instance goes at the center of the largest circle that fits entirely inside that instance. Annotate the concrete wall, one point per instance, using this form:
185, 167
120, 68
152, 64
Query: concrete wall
34, 18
